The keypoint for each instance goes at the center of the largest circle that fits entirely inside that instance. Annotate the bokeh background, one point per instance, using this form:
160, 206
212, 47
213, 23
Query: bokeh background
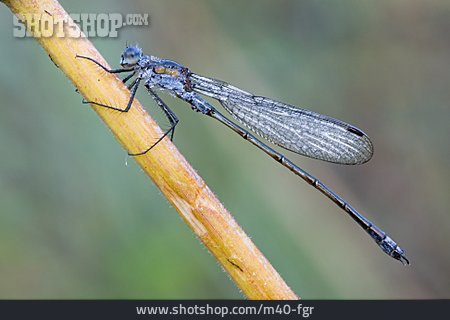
79, 219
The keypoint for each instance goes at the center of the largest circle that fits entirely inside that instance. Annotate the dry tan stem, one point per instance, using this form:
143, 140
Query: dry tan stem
168, 169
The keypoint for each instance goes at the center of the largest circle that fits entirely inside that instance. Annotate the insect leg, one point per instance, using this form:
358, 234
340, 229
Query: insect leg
171, 116
128, 77
134, 86
105, 68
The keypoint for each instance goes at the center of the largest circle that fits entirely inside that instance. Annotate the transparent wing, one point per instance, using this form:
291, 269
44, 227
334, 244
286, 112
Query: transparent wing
299, 130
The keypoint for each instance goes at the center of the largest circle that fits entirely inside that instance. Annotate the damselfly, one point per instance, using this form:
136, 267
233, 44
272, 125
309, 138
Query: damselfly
295, 129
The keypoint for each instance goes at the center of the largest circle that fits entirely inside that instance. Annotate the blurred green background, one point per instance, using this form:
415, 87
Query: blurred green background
79, 219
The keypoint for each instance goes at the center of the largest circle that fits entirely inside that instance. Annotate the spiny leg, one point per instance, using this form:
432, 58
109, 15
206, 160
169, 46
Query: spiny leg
124, 80
105, 68
134, 86
134, 83
171, 116
173, 119
128, 77
131, 85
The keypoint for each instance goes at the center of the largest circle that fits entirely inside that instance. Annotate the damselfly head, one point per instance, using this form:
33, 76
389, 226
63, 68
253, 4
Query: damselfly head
130, 56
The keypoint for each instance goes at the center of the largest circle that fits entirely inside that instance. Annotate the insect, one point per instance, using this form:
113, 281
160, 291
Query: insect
301, 131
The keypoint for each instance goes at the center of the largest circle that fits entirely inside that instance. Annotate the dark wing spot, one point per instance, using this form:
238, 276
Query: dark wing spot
355, 131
